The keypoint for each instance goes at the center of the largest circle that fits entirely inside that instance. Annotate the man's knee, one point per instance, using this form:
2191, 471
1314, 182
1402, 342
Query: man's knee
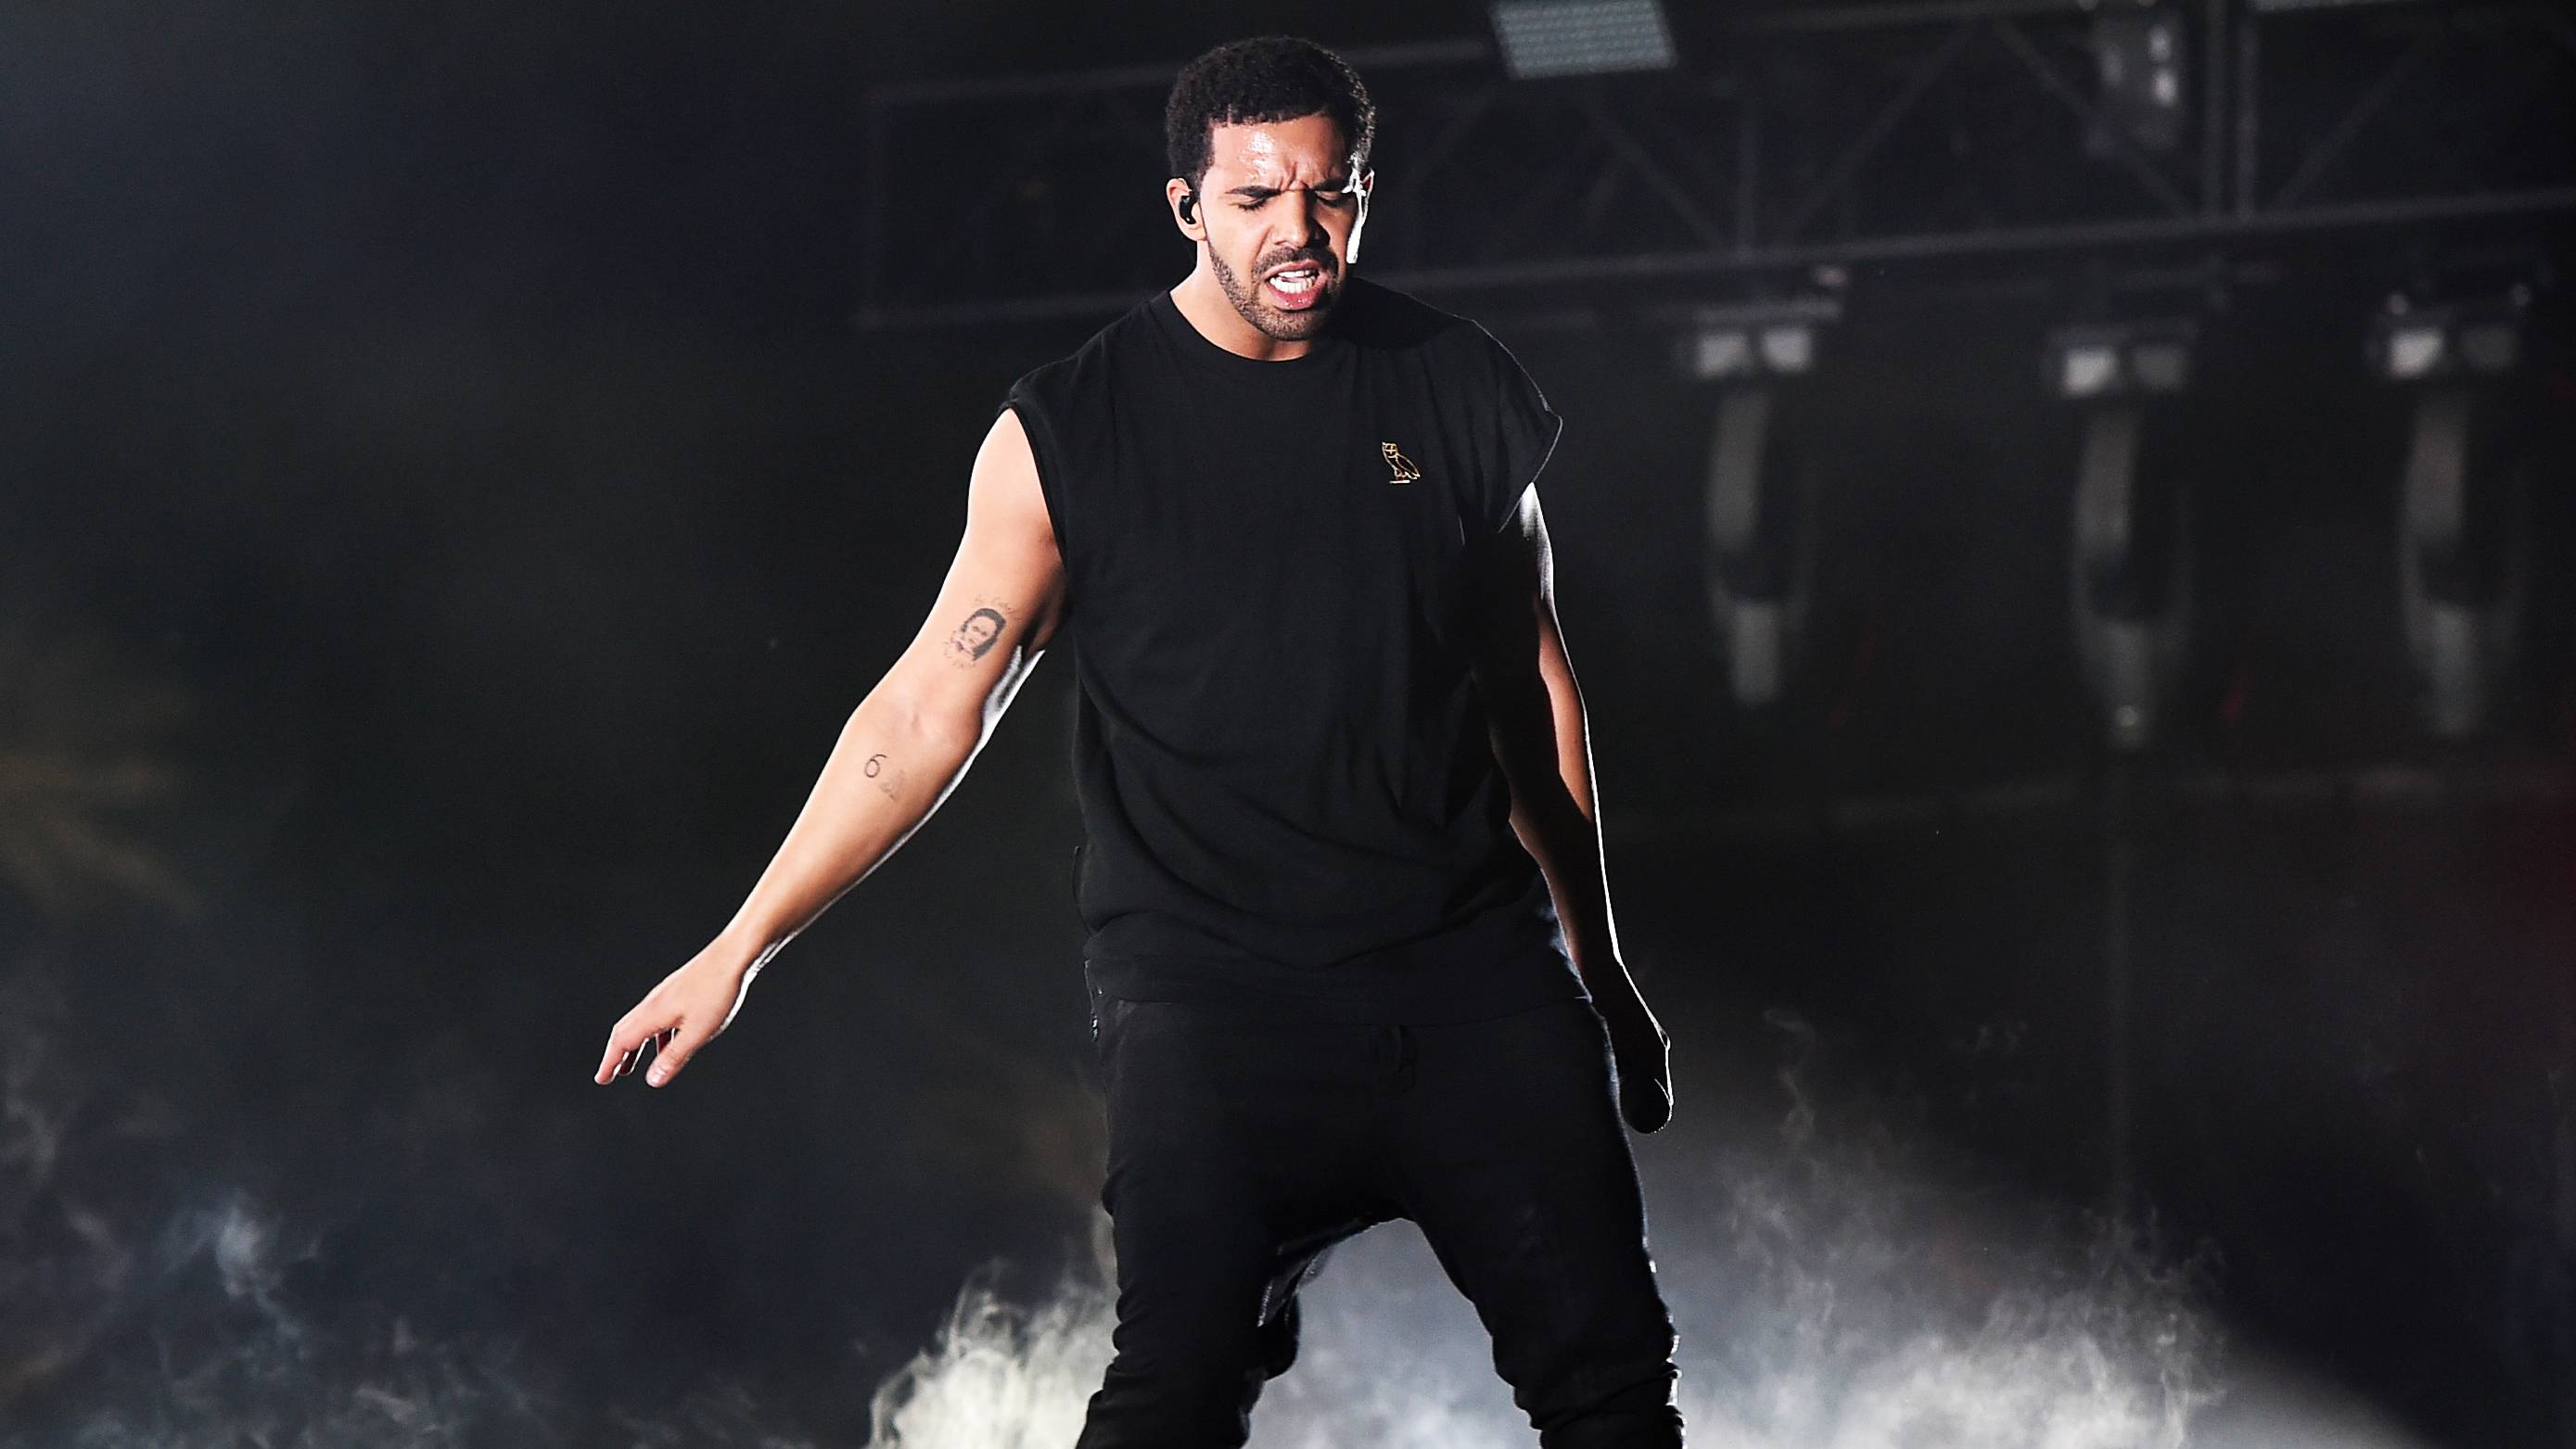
1195, 1394
1635, 1415
1597, 1379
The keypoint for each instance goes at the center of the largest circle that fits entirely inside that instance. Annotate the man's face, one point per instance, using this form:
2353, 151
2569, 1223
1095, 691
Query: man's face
974, 637
1281, 208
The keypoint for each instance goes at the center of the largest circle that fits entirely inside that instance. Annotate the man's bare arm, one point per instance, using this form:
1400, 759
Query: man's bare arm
1535, 710
911, 739
905, 746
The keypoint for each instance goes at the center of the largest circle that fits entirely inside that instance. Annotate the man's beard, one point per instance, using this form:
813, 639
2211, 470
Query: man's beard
1271, 321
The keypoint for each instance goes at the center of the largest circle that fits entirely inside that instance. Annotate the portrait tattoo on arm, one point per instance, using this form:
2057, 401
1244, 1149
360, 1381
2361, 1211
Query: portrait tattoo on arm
976, 636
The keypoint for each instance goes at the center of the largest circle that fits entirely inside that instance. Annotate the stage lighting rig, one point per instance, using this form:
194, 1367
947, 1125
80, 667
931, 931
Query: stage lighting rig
2462, 528
1754, 341
1650, 147
2129, 582
2484, 338
2119, 359
1545, 39
2138, 61
1760, 534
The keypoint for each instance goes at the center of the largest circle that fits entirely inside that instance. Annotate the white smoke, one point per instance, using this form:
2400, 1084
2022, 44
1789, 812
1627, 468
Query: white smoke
217, 1324
1870, 1292
1001, 1375
1836, 1285
1393, 1357
1835, 1288
204, 1353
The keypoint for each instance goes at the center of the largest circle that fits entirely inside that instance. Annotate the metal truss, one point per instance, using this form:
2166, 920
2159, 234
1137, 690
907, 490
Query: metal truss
1806, 137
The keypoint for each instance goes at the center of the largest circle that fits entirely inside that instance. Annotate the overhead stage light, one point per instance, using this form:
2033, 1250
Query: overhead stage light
2491, 346
2138, 56
1761, 549
2481, 338
1788, 350
2088, 367
1768, 339
2160, 363
1544, 38
2115, 359
1719, 353
2414, 349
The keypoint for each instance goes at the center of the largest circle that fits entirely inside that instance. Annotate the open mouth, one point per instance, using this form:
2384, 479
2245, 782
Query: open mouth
1294, 288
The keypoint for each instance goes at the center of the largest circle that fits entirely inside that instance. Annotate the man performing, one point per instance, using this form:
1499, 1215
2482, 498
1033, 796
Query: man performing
1349, 945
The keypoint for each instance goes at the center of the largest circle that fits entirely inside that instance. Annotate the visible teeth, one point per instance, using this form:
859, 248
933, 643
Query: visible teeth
1298, 281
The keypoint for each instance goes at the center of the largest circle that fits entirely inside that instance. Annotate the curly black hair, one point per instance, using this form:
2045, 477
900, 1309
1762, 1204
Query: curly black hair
1266, 78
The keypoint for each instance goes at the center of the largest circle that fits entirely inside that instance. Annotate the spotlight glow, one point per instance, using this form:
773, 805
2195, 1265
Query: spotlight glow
1582, 37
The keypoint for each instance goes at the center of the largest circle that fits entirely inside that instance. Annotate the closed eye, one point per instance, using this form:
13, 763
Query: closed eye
1252, 198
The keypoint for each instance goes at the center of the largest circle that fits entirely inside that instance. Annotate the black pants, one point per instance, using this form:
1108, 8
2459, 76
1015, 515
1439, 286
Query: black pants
1240, 1150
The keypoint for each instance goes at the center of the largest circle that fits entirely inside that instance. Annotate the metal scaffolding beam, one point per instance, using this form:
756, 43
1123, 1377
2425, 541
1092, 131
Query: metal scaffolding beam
1804, 137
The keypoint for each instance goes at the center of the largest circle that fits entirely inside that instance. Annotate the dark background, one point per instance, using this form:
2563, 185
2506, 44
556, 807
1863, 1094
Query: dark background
447, 511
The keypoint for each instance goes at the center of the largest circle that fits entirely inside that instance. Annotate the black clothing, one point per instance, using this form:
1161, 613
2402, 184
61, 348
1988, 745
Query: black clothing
1290, 801
1328, 985
1240, 1150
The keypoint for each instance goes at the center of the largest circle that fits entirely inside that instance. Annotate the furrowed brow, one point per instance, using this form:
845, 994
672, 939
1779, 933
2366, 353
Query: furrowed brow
1264, 193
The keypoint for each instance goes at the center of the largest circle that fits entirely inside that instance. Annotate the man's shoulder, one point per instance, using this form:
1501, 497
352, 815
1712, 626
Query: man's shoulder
1087, 360
1396, 321
1382, 317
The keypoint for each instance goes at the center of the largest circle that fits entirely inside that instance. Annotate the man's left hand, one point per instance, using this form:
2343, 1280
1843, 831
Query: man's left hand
1643, 1055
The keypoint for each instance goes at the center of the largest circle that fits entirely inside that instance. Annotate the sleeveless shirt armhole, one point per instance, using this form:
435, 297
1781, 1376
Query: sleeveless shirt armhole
1043, 451
1540, 447
1526, 431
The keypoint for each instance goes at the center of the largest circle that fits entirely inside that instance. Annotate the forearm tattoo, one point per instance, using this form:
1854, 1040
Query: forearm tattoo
890, 780
976, 636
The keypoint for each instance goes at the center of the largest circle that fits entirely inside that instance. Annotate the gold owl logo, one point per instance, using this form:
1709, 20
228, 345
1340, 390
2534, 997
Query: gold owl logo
1399, 464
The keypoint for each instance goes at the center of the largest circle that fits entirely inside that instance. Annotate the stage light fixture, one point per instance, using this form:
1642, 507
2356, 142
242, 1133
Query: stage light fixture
2422, 344
2490, 346
1788, 350
2414, 349
2160, 364
1721, 353
1761, 535
2138, 60
2088, 367
1773, 338
2118, 359
1547, 38
1761, 544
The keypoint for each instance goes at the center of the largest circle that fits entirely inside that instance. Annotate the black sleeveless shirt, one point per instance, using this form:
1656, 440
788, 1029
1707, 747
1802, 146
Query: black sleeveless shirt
1290, 800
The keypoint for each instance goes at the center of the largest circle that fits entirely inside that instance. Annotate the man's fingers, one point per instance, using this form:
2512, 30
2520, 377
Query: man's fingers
623, 1042
1647, 1106
1650, 1108
1646, 1086
662, 1032
672, 1048
614, 1062
625, 1049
